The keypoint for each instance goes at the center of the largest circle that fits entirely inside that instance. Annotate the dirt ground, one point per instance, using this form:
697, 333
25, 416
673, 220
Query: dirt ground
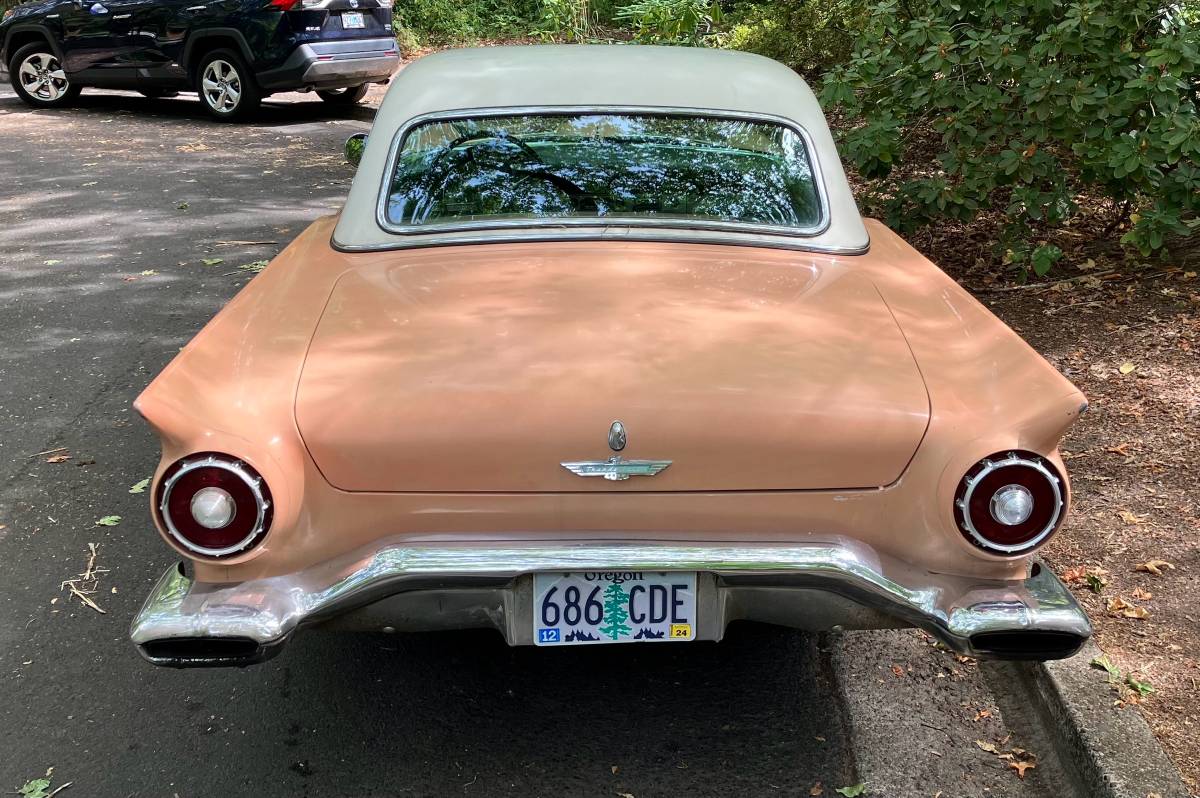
1126, 330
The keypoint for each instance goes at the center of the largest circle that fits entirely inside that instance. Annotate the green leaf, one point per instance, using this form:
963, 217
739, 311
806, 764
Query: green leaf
254, 266
853, 790
212, 261
1143, 687
139, 487
35, 789
1106, 664
109, 520
1043, 258
1095, 582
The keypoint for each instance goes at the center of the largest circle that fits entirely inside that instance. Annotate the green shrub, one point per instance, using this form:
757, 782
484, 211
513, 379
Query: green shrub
438, 22
809, 37
670, 21
1024, 108
564, 19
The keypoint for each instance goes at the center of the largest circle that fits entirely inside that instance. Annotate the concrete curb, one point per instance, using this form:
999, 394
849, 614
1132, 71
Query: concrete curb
1113, 749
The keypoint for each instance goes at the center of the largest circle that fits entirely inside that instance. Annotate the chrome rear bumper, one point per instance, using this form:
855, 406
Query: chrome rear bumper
818, 586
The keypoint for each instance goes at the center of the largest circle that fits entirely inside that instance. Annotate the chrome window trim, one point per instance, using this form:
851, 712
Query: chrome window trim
989, 465
596, 224
212, 462
609, 234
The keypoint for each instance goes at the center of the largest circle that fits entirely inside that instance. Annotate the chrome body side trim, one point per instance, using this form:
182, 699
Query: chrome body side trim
596, 226
492, 586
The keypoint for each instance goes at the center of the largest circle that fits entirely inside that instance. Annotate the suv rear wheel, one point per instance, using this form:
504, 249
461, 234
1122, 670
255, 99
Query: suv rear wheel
226, 86
38, 78
348, 96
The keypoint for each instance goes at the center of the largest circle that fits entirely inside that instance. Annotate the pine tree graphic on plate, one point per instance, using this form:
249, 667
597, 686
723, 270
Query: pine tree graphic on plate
616, 612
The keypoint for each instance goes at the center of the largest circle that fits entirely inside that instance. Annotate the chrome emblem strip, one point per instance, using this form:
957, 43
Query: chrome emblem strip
616, 468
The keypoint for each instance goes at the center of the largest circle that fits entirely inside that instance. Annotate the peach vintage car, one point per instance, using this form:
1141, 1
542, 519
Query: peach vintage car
601, 350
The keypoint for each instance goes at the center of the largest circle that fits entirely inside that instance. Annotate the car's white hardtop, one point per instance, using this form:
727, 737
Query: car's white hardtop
598, 77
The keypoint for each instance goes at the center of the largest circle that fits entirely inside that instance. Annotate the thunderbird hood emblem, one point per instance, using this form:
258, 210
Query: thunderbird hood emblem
617, 467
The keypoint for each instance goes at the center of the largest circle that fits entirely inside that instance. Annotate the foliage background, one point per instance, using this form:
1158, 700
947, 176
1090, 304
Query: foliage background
1041, 125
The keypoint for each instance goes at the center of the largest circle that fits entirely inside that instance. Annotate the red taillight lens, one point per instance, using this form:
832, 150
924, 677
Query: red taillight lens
1009, 502
283, 5
214, 505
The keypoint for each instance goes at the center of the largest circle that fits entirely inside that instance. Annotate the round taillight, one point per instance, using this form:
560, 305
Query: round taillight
1009, 503
214, 505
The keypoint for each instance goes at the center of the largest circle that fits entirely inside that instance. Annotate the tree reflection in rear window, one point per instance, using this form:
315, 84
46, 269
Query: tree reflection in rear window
619, 167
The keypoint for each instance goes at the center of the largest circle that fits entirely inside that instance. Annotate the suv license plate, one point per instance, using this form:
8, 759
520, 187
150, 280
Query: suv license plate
352, 19
583, 607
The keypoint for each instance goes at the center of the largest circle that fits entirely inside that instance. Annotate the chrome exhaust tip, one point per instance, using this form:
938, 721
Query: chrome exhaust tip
1031, 644
207, 652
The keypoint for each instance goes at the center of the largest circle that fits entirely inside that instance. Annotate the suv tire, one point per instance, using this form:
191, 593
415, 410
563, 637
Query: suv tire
349, 96
43, 83
226, 86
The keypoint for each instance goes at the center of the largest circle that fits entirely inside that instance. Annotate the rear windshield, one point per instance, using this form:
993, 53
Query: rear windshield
619, 167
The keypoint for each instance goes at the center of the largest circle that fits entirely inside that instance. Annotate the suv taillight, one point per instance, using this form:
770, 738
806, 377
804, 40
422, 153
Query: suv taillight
1010, 502
214, 505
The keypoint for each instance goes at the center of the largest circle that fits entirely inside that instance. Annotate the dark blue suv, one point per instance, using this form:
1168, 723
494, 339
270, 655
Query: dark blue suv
231, 52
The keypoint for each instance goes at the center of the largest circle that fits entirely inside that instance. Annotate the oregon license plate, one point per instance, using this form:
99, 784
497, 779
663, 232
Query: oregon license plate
613, 607
352, 19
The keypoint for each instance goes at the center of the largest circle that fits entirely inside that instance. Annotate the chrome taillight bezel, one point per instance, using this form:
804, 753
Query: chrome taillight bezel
996, 463
238, 469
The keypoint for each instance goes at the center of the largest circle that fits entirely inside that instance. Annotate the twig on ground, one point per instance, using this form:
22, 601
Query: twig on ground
244, 243
1061, 308
48, 451
1110, 275
89, 579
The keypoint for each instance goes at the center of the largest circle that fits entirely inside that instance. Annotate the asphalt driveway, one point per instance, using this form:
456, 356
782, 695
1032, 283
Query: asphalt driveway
125, 224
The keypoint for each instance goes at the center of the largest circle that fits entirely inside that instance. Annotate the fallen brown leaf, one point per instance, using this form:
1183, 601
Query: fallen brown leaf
1141, 595
1021, 766
58, 458
1131, 518
1075, 574
896, 669
1155, 567
816, 789
1124, 609
986, 746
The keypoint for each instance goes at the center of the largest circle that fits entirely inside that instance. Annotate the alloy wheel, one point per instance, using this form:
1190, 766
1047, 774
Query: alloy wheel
221, 85
42, 77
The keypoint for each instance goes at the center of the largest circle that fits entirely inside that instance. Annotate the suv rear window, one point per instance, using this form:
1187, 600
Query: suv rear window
620, 167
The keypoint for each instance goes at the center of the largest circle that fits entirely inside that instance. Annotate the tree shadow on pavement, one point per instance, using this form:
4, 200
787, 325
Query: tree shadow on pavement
278, 110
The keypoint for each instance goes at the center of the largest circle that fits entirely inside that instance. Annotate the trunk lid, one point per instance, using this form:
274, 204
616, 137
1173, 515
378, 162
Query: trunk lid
469, 369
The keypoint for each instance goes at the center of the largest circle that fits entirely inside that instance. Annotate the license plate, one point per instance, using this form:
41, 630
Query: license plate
613, 607
352, 19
